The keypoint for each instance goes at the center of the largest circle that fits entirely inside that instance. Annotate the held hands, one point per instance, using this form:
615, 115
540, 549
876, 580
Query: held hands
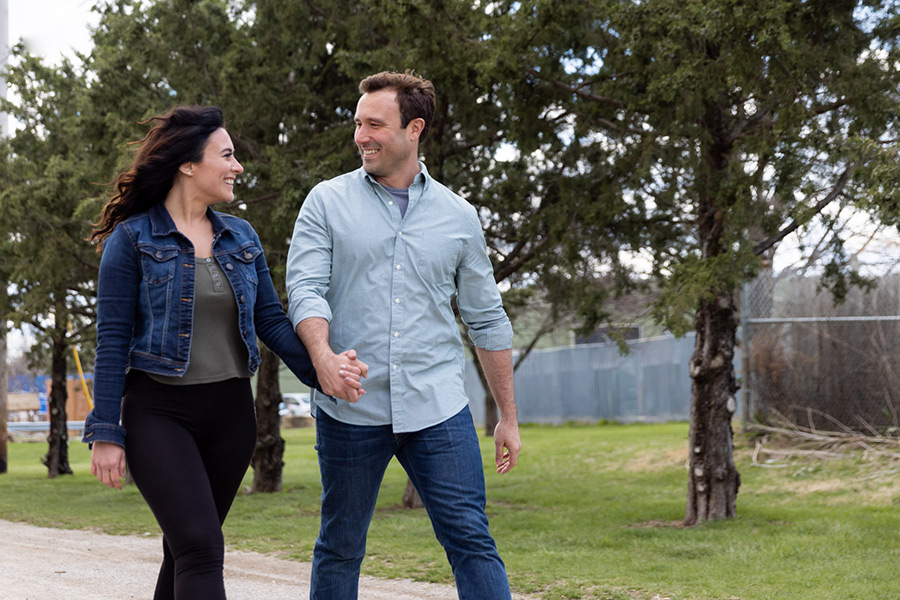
108, 463
507, 445
339, 375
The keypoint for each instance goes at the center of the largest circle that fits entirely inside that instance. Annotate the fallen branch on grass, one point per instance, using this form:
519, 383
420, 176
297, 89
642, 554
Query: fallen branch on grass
797, 441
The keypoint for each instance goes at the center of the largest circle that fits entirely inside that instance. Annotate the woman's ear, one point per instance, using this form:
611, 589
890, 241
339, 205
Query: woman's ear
187, 169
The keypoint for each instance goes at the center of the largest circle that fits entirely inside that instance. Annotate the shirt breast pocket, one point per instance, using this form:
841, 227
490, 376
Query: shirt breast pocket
438, 257
158, 263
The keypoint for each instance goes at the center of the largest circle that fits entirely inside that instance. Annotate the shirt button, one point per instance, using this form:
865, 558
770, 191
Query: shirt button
158, 254
242, 298
248, 255
395, 367
229, 266
398, 267
396, 334
396, 300
390, 202
400, 233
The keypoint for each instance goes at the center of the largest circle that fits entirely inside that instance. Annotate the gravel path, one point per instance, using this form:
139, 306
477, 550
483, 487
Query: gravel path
38, 563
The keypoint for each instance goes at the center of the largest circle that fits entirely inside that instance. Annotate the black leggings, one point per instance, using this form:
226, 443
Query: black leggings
188, 448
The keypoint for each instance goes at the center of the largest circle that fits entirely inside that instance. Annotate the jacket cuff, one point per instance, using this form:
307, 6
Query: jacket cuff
104, 432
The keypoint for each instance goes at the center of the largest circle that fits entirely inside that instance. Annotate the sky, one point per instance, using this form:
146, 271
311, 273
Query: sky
52, 28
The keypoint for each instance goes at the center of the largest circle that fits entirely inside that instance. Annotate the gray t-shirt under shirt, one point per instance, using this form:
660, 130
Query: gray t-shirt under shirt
217, 350
401, 195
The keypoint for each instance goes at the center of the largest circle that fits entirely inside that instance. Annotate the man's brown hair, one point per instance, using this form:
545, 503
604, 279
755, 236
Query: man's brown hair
414, 95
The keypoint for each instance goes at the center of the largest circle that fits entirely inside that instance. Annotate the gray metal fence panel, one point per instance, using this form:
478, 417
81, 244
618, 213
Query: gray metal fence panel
591, 382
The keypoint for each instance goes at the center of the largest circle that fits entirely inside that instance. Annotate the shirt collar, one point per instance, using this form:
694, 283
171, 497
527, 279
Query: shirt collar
423, 178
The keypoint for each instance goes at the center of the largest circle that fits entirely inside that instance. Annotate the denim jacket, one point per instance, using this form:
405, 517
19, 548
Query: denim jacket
145, 298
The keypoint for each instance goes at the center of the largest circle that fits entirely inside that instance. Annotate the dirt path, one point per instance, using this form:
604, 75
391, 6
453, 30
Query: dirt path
37, 563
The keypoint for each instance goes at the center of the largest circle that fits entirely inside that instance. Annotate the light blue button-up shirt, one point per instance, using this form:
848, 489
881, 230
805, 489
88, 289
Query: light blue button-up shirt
385, 283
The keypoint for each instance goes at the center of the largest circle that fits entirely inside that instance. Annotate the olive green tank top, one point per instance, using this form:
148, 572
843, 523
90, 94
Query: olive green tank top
217, 350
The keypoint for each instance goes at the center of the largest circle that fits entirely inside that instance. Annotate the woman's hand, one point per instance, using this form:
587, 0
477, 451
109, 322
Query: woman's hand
108, 463
350, 371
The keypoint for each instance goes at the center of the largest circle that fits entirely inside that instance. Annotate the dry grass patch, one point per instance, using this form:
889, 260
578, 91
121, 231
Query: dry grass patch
655, 460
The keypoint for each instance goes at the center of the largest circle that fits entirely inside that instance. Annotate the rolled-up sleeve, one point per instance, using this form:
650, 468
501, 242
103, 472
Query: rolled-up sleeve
308, 273
478, 298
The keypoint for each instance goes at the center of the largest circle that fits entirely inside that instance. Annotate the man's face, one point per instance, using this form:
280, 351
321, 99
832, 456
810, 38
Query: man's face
386, 148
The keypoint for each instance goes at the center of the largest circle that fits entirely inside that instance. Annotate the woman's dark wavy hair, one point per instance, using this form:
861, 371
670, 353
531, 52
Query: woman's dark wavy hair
176, 137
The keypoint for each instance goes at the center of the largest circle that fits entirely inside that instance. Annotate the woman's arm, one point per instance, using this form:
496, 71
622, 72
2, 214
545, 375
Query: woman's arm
118, 286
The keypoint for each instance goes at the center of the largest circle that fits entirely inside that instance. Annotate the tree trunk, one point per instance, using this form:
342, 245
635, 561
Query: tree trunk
411, 497
57, 458
491, 413
713, 480
268, 460
4, 407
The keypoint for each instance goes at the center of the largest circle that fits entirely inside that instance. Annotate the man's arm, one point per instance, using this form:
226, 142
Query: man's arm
498, 370
314, 333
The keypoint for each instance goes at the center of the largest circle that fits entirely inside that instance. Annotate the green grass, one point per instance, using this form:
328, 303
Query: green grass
591, 512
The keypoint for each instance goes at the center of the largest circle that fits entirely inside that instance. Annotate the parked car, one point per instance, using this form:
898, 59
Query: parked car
294, 405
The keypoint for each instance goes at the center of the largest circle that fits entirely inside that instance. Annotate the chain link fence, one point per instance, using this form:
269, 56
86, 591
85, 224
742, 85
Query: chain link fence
817, 364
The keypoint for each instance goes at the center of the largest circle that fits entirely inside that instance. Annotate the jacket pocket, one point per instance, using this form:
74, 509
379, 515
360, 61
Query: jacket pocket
244, 259
158, 263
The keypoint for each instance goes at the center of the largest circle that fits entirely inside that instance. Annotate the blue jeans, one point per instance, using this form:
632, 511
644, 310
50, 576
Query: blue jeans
443, 462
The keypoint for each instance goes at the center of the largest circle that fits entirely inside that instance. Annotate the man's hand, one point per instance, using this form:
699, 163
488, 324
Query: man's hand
507, 445
108, 463
339, 374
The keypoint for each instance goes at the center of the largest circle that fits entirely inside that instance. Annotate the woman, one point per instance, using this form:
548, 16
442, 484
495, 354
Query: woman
182, 295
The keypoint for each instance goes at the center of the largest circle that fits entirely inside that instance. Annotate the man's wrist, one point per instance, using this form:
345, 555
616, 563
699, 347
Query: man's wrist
320, 356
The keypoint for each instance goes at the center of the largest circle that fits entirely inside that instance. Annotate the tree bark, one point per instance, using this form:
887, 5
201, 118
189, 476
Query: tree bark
713, 480
268, 457
57, 457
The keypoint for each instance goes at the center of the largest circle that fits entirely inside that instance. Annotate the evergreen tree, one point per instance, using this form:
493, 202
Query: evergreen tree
726, 125
48, 172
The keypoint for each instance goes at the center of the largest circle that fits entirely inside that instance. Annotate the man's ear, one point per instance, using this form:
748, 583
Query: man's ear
415, 128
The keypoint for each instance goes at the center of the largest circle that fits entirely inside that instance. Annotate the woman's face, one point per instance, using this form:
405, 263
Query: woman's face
213, 177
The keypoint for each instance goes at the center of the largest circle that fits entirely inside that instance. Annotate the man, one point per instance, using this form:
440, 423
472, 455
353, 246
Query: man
377, 256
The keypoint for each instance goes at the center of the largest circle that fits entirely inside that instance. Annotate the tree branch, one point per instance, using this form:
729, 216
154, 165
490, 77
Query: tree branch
839, 186
578, 92
263, 198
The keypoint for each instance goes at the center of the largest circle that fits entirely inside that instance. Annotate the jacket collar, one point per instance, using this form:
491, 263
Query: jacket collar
162, 224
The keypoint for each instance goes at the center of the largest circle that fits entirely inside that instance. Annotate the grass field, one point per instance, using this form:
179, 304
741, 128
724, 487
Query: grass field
591, 512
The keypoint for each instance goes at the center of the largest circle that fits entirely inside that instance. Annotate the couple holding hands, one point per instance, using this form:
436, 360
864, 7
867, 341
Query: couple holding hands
377, 256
